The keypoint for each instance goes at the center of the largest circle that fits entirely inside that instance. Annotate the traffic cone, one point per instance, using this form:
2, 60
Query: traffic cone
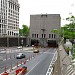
17, 63
10, 67
25, 62
21, 62
4, 68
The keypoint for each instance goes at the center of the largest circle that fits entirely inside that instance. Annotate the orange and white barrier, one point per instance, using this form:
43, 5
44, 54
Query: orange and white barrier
5, 73
22, 71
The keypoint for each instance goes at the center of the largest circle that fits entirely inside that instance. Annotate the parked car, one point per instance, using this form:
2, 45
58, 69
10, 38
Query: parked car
19, 47
20, 56
36, 51
2, 52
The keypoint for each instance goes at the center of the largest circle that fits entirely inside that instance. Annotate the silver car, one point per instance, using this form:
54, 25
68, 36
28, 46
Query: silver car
20, 56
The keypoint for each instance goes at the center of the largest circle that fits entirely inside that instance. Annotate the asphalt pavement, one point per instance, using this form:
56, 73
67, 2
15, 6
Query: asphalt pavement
40, 63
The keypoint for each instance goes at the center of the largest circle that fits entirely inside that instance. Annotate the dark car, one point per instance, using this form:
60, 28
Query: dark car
20, 56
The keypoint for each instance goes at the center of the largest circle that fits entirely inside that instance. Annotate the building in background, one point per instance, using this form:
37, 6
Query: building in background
9, 18
41, 26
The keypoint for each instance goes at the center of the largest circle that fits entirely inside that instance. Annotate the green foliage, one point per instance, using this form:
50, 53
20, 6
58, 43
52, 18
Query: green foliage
68, 31
67, 48
24, 31
20, 32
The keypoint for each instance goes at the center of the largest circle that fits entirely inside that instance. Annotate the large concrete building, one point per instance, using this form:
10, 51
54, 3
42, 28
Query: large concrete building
41, 26
9, 18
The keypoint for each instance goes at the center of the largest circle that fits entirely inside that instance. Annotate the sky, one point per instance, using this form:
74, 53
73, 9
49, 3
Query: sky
65, 8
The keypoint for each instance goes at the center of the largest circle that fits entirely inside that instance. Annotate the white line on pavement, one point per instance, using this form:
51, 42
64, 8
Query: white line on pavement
33, 68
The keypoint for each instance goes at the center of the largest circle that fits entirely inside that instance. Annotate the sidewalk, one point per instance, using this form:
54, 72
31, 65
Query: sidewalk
64, 64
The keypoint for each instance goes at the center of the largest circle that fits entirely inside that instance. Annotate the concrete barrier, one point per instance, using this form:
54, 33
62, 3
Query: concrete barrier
65, 62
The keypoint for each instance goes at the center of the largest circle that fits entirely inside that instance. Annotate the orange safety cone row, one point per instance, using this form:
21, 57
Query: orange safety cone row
5, 73
18, 71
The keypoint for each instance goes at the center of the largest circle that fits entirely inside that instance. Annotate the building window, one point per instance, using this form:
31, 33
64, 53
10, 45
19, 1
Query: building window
1, 1
32, 35
9, 4
52, 35
37, 35
0, 20
8, 32
49, 35
42, 35
18, 9
13, 6
0, 25
14, 34
2, 30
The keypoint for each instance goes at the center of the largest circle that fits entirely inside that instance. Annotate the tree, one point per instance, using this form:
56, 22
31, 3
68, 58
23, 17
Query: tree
68, 30
24, 31
20, 32
71, 26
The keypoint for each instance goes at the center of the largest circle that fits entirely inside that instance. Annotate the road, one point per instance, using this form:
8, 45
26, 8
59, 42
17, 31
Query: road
37, 65
41, 65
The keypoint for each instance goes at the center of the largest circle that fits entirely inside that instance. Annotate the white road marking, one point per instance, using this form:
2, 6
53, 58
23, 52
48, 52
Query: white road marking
50, 66
49, 52
33, 68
